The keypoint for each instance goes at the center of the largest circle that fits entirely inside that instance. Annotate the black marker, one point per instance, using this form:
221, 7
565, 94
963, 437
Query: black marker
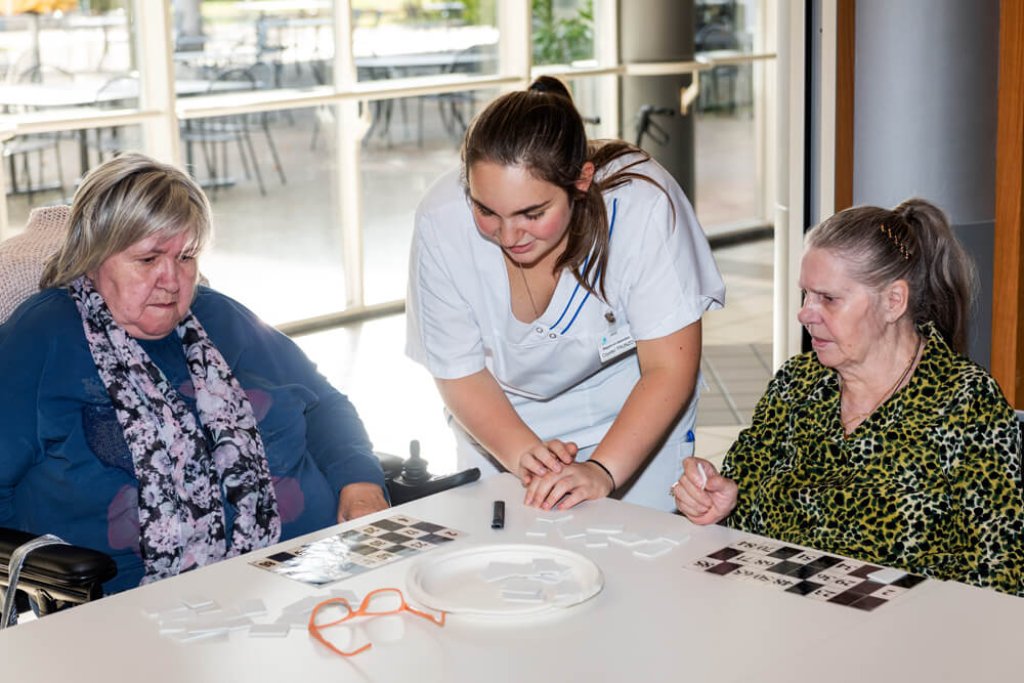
498, 519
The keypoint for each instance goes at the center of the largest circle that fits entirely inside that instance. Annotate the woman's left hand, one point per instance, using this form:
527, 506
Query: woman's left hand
360, 499
576, 483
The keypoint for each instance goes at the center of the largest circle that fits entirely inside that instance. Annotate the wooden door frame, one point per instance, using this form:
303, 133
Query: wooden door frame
846, 33
1008, 268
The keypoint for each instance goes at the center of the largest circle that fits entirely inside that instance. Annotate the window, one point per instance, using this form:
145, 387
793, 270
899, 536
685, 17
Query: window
271, 101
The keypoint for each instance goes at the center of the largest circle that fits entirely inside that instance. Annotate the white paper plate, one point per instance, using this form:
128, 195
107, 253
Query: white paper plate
453, 581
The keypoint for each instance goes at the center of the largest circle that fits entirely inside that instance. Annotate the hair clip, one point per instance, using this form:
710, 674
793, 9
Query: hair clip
897, 242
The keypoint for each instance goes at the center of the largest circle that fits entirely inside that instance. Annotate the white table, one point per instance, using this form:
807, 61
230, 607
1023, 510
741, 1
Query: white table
655, 620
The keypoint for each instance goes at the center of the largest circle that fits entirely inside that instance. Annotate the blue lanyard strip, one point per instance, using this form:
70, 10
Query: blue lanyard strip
611, 229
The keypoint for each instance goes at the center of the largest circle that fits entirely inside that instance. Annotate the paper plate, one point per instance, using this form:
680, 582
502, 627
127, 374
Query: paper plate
454, 581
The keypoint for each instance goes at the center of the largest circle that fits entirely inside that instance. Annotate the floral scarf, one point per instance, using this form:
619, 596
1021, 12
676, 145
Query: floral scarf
181, 510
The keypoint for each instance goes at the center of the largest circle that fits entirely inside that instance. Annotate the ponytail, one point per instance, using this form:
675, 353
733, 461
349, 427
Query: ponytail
912, 242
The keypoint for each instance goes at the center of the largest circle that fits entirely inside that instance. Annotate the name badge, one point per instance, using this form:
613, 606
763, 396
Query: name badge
615, 344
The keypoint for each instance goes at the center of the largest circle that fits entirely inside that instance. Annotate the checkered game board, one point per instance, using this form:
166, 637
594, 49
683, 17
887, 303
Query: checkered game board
358, 550
809, 573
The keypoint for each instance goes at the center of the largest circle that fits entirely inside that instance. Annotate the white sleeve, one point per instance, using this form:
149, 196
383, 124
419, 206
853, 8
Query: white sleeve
675, 276
442, 332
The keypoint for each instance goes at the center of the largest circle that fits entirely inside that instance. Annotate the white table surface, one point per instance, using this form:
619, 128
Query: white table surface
655, 620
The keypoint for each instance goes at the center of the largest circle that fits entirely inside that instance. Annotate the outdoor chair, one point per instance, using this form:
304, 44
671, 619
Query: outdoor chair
712, 37
455, 108
215, 134
19, 151
117, 92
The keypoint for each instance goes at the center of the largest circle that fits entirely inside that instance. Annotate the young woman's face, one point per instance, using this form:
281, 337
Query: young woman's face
525, 216
149, 286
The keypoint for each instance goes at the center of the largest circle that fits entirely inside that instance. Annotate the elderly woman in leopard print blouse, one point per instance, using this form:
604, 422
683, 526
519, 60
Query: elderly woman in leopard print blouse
884, 443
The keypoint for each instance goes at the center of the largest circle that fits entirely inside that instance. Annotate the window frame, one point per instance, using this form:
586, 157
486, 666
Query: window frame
160, 113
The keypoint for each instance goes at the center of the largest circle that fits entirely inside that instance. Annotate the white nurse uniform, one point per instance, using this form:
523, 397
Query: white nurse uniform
569, 372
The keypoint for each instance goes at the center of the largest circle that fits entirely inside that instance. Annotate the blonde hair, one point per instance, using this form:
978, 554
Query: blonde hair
124, 201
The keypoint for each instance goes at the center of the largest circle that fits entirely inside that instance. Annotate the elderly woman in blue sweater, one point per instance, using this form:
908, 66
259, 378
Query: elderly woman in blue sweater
157, 420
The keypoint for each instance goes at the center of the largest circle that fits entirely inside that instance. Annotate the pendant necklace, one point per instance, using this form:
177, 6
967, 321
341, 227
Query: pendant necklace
529, 294
885, 397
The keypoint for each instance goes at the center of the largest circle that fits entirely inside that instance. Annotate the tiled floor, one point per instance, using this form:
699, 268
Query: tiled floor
736, 375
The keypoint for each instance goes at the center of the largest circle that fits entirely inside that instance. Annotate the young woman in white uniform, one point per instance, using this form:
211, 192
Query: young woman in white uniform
556, 290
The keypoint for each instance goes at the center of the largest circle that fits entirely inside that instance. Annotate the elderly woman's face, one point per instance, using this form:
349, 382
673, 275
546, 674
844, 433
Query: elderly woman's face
844, 317
149, 286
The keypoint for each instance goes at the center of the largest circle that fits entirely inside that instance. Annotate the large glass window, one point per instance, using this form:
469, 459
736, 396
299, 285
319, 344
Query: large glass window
424, 39
287, 44
732, 155
258, 115
563, 31
400, 160
60, 60
728, 151
273, 180
729, 142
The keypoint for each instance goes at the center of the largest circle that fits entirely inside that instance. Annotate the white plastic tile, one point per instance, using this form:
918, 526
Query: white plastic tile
627, 538
652, 550
539, 530
269, 630
887, 575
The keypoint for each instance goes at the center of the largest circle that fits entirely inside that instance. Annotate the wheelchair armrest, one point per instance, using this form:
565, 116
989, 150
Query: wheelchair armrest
391, 464
409, 479
56, 573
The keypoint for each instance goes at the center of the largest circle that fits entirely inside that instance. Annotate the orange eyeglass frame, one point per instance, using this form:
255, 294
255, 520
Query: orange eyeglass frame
315, 628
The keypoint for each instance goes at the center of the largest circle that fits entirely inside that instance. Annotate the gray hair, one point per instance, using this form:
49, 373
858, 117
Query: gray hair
124, 201
912, 242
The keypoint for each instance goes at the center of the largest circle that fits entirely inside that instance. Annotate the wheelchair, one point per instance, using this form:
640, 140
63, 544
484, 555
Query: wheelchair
56, 576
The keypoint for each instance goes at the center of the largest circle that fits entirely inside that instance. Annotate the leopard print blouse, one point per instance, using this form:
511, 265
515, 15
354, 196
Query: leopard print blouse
929, 483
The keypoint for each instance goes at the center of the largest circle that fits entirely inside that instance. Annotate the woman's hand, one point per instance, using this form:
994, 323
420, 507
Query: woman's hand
360, 499
704, 498
576, 483
546, 457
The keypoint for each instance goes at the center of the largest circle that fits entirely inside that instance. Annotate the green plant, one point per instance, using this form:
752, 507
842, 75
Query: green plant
562, 40
102, 6
477, 12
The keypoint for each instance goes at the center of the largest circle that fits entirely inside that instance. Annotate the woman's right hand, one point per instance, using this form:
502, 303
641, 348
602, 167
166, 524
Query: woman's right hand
544, 457
704, 502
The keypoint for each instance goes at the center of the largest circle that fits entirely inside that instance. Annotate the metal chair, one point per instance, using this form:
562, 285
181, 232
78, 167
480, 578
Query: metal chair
19, 150
118, 91
717, 36
456, 108
215, 134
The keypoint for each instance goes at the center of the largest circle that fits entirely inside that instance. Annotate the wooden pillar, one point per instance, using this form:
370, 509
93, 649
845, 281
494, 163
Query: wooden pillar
1008, 269
846, 31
